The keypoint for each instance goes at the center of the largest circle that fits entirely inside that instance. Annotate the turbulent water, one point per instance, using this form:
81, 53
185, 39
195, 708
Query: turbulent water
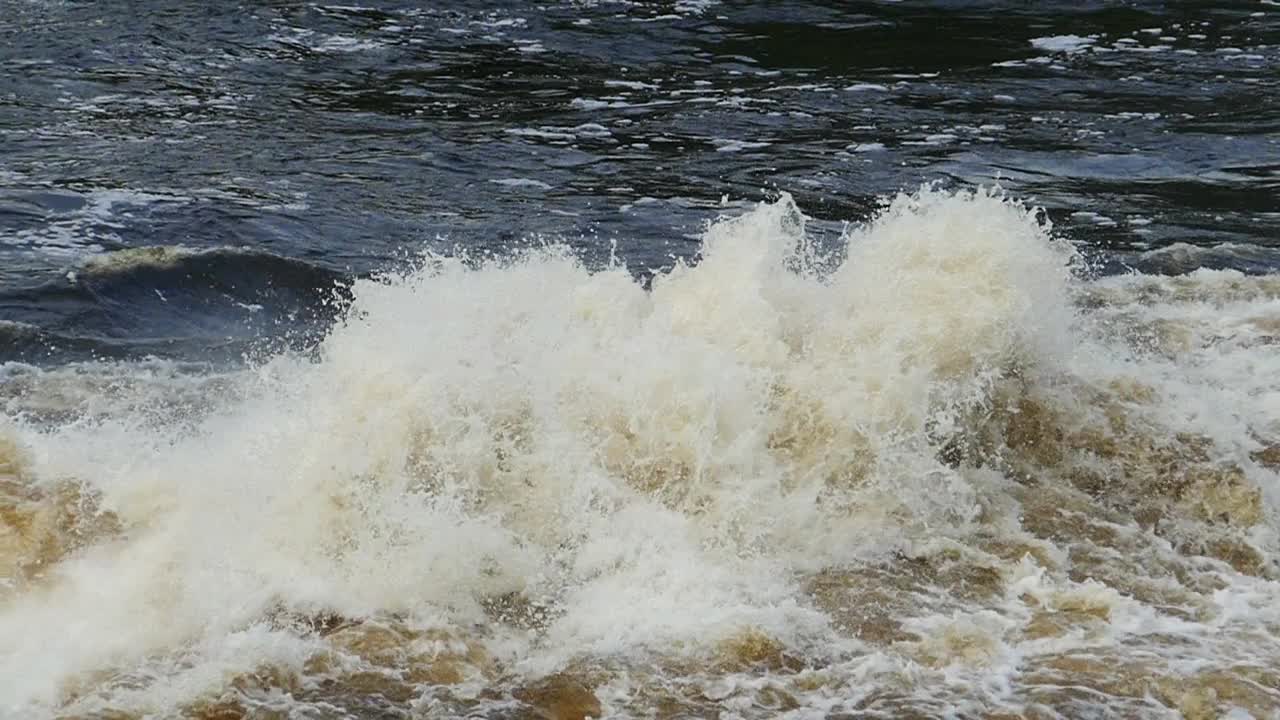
668, 360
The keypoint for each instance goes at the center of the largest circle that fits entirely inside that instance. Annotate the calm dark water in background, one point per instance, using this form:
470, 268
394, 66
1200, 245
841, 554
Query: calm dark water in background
315, 142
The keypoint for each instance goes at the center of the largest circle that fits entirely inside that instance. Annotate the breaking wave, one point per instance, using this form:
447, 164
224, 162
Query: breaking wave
936, 472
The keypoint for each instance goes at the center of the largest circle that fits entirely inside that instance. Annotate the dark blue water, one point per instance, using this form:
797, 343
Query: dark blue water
274, 150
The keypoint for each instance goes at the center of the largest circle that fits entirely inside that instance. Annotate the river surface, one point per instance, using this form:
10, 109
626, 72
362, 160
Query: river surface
661, 360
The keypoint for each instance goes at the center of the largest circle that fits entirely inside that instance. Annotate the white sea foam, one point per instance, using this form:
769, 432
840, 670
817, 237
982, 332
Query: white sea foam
1063, 43
660, 466
522, 183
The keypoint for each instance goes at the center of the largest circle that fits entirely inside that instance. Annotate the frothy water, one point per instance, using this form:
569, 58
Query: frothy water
933, 471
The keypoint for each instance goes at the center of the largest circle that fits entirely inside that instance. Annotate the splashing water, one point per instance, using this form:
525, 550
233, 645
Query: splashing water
937, 474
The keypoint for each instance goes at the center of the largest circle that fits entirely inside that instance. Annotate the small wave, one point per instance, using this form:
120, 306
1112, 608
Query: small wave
522, 183
231, 270
1181, 258
1064, 43
162, 256
11, 329
177, 302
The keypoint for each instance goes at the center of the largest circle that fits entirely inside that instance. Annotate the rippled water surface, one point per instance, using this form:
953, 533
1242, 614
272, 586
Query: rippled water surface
345, 136
671, 359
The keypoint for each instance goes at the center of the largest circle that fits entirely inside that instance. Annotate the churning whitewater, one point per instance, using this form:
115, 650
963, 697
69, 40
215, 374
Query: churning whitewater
934, 471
